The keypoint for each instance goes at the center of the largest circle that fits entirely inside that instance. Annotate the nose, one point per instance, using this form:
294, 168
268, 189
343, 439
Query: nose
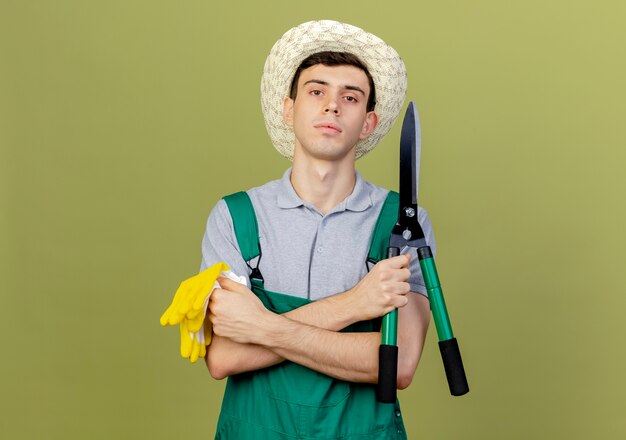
331, 106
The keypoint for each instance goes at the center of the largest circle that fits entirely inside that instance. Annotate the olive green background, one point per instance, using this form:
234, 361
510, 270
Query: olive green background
123, 122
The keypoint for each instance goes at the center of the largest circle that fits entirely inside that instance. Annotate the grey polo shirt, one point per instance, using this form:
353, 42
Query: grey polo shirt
306, 253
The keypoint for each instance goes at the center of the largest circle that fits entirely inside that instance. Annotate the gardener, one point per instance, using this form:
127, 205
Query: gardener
300, 349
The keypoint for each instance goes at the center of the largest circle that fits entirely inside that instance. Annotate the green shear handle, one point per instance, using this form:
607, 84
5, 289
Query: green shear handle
448, 346
388, 352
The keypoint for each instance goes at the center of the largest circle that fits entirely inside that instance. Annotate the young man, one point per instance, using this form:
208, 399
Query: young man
301, 348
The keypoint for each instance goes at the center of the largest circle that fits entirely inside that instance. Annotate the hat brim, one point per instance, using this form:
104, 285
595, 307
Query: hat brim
382, 62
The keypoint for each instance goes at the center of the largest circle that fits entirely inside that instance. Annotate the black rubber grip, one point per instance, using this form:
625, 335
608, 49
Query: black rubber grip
387, 374
393, 252
453, 364
424, 252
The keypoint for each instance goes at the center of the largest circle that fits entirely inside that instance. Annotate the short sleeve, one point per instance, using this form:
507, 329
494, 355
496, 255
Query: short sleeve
220, 243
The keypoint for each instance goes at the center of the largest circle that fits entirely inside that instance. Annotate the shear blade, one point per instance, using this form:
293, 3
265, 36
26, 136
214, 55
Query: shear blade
410, 149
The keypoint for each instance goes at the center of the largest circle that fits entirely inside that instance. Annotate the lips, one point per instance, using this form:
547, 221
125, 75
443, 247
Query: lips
328, 126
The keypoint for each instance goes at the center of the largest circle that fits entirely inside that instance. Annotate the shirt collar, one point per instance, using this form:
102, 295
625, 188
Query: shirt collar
287, 197
359, 200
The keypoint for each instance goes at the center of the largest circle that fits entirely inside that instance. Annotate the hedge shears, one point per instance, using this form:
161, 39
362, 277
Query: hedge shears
408, 232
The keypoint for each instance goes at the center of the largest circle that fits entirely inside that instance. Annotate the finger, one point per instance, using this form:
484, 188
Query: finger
194, 324
181, 306
389, 274
185, 340
171, 314
201, 300
233, 286
397, 262
193, 314
401, 275
393, 289
214, 271
196, 290
195, 351
401, 288
402, 301
187, 301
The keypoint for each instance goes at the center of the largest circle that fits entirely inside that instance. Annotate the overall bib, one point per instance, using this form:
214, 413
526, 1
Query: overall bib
289, 401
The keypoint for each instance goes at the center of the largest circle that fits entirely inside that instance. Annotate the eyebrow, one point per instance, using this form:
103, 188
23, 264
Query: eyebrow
326, 83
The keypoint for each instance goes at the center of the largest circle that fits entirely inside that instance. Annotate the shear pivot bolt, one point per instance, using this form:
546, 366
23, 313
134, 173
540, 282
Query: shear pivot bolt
410, 212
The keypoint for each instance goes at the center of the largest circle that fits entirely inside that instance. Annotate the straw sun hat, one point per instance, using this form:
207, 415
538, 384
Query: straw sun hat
382, 61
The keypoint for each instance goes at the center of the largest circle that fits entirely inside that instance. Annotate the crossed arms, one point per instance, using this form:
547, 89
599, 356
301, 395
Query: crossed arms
248, 337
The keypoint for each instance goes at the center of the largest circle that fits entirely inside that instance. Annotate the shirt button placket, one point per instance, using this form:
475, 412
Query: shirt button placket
320, 236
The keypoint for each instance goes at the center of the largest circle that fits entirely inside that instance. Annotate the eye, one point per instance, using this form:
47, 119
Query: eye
315, 92
351, 99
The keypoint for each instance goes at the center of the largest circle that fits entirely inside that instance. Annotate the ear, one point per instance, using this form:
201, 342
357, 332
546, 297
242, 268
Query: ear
369, 125
288, 111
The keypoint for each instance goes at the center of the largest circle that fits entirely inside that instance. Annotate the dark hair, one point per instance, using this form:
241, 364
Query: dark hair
334, 59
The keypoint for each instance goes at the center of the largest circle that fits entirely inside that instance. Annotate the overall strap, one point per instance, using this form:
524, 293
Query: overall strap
387, 219
246, 228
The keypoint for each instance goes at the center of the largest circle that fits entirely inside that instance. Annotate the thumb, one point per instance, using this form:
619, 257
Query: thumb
228, 284
399, 261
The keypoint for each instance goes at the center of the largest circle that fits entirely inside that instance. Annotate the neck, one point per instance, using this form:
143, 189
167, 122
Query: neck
323, 184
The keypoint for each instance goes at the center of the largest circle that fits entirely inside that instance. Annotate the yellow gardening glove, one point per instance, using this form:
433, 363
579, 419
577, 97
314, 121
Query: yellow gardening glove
189, 307
191, 294
193, 344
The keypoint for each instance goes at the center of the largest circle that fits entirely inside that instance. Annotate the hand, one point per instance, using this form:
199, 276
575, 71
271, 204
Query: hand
383, 289
236, 313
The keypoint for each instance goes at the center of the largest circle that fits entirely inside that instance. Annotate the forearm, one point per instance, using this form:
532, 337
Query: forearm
226, 357
351, 357
413, 321
348, 356
253, 337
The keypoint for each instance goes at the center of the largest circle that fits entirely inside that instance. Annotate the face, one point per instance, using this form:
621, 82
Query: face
329, 115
